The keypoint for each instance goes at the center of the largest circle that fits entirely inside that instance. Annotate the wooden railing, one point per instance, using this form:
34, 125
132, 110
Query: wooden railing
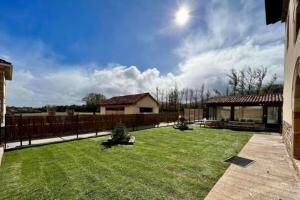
20, 128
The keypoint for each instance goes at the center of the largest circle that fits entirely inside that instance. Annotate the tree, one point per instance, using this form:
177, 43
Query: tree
207, 94
272, 87
217, 92
202, 90
94, 99
260, 76
250, 79
233, 81
242, 83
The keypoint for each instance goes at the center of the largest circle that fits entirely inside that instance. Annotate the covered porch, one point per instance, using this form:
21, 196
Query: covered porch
246, 112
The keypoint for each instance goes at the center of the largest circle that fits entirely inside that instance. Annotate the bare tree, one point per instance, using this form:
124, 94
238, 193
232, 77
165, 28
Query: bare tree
191, 96
250, 80
162, 99
181, 95
242, 82
186, 95
233, 81
157, 94
202, 90
260, 76
207, 94
196, 92
217, 92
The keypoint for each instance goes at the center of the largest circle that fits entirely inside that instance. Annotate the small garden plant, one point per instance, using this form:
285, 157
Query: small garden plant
181, 124
120, 134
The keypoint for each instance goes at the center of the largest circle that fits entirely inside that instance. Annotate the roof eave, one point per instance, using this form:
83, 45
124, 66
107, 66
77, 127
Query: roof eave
7, 68
276, 10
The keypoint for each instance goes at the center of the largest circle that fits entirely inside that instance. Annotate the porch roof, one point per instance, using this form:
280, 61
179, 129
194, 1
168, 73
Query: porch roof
247, 99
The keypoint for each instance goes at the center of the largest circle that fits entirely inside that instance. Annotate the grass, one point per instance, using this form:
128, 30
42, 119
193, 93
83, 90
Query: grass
163, 164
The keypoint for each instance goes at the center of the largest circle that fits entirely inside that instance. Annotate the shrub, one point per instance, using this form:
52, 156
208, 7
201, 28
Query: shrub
181, 124
120, 133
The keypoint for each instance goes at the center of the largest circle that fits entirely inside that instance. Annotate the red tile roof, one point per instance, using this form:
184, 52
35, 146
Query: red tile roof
268, 98
5, 62
126, 100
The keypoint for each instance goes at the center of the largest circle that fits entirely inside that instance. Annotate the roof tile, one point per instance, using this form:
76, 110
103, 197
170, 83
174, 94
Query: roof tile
268, 98
126, 100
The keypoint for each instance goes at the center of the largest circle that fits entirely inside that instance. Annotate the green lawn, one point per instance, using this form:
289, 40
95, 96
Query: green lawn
163, 164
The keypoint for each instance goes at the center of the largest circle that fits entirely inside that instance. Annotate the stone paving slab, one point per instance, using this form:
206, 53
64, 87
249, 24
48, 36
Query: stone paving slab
271, 176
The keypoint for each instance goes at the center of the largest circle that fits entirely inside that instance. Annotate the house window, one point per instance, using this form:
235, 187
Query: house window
273, 115
146, 110
219, 113
248, 113
114, 109
223, 113
212, 113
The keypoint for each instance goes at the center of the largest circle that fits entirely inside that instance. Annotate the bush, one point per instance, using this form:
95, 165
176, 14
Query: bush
120, 133
181, 124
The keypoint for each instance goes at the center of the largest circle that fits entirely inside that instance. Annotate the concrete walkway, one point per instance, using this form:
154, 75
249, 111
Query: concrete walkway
272, 176
12, 145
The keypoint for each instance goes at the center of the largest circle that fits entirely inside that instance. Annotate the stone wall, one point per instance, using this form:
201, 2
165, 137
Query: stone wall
287, 133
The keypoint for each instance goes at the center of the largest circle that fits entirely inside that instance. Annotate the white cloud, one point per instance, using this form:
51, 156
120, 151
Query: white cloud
235, 36
69, 86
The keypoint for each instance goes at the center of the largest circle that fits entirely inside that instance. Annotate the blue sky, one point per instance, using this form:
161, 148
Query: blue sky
62, 50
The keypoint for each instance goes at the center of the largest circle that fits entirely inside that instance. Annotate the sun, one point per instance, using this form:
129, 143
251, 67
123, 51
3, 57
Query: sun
182, 16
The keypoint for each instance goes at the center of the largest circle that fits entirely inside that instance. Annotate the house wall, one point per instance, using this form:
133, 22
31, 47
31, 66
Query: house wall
2, 97
102, 110
134, 109
130, 109
292, 54
147, 102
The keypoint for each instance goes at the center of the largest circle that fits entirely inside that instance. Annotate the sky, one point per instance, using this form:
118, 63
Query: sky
62, 50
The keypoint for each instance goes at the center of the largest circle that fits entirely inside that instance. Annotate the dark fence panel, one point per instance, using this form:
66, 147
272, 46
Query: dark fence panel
20, 128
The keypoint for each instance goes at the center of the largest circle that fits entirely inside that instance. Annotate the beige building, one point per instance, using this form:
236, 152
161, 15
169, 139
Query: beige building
288, 11
5, 74
130, 104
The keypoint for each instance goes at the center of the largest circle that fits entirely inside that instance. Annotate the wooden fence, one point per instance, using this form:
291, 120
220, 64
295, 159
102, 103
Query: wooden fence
191, 114
20, 128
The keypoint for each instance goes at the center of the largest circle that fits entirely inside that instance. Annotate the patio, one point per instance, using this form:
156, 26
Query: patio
271, 176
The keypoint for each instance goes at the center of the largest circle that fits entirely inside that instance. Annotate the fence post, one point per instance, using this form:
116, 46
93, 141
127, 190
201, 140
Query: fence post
77, 125
1, 134
95, 124
112, 121
194, 115
29, 136
5, 130
20, 125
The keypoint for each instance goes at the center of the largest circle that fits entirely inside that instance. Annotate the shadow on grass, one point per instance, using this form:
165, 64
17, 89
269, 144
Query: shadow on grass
109, 143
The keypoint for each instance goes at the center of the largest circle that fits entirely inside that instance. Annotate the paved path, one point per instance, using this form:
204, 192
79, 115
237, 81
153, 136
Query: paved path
272, 176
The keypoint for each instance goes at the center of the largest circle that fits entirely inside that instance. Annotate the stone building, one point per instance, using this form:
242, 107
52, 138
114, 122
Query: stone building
130, 104
5, 74
288, 12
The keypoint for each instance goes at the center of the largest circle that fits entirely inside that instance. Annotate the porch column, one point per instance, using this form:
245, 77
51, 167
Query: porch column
232, 113
265, 114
